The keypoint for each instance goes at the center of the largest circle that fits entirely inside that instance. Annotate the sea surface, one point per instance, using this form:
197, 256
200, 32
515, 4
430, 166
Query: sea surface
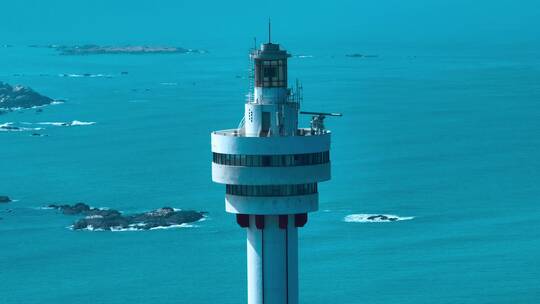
445, 138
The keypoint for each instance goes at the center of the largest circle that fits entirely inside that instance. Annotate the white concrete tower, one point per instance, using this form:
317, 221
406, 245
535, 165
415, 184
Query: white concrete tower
271, 169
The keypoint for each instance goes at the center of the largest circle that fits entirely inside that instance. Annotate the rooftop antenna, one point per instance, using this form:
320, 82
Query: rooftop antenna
269, 31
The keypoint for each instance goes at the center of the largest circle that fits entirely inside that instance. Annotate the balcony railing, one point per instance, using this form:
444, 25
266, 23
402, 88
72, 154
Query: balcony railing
240, 132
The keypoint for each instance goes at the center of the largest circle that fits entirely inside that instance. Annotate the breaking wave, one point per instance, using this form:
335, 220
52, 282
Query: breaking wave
85, 75
137, 228
29, 126
375, 218
303, 56
43, 208
68, 124
12, 127
185, 225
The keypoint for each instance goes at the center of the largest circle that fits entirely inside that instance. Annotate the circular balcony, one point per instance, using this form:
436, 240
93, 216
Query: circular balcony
234, 142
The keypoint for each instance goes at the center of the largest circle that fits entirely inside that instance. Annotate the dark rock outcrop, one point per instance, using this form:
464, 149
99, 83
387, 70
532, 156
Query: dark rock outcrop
381, 217
20, 97
39, 135
356, 55
9, 127
4, 199
78, 208
92, 49
109, 219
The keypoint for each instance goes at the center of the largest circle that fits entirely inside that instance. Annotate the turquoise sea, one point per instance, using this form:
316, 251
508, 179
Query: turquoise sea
449, 136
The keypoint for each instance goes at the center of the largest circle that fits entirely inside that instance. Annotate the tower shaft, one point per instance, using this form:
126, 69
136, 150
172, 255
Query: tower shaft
272, 257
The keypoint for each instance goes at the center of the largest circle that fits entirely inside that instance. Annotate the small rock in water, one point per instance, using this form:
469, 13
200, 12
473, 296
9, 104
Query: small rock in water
39, 134
97, 50
9, 128
381, 218
4, 199
357, 55
78, 208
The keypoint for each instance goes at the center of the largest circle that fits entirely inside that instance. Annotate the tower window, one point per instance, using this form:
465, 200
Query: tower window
272, 190
282, 160
271, 73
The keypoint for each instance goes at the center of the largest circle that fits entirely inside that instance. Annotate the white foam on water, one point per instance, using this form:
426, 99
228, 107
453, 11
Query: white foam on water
185, 225
134, 227
120, 229
71, 75
88, 228
10, 127
82, 123
43, 208
169, 83
67, 124
85, 75
137, 227
57, 124
365, 218
100, 75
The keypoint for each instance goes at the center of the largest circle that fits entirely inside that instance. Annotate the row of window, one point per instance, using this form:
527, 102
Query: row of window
271, 190
284, 160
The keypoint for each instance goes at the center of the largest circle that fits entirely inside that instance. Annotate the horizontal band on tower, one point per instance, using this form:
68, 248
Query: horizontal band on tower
271, 205
240, 175
271, 190
283, 160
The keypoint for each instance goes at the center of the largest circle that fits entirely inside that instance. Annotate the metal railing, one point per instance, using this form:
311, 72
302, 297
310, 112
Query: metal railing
241, 132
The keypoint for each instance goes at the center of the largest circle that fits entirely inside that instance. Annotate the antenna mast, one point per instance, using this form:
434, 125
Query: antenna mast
269, 31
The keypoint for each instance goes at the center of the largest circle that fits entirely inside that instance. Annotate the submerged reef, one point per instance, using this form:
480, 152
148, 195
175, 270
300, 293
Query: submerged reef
110, 219
4, 199
375, 218
20, 97
357, 55
92, 49
381, 217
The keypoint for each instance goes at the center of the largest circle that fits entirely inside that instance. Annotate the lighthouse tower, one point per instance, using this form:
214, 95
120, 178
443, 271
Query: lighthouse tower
270, 168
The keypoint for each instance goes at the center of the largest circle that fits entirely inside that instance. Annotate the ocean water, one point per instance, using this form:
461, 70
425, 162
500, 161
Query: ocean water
445, 138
